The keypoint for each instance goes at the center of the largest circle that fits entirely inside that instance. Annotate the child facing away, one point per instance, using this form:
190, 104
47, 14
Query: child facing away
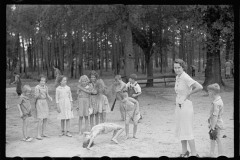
64, 105
134, 89
102, 100
119, 86
42, 109
24, 107
84, 91
131, 107
215, 119
102, 128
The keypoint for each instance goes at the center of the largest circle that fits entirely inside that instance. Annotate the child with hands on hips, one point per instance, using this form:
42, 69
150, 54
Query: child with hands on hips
24, 107
64, 105
84, 91
131, 107
215, 119
102, 128
42, 109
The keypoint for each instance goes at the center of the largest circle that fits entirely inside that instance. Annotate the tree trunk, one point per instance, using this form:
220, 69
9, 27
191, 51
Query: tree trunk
80, 66
173, 50
181, 45
199, 57
149, 65
227, 48
189, 57
213, 72
19, 53
24, 58
106, 49
128, 52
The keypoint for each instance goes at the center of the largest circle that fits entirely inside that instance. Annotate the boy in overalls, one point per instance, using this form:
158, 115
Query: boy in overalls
134, 89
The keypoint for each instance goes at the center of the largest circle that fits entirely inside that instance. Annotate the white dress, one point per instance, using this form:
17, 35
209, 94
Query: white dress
184, 115
64, 98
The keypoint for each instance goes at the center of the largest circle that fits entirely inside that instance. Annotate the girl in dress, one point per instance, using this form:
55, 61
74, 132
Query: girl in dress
93, 98
84, 91
42, 110
102, 101
64, 105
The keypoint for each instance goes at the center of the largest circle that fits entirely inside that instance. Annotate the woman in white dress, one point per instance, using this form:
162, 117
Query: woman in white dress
184, 87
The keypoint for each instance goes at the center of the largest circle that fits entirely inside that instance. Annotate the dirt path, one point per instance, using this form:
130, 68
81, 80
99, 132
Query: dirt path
155, 136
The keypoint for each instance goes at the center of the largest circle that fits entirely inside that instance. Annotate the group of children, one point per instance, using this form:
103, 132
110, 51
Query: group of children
93, 102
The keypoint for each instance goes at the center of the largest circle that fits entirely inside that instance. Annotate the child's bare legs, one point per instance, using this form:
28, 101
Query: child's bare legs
116, 133
192, 147
104, 115
80, 124
39, 129
127, 127
62, 125
68, 127
135, 129
96, 118
44, 127
220, 147
184, 146
86, 123
212, 148
91, 121
122, 111
25, 124
101, 117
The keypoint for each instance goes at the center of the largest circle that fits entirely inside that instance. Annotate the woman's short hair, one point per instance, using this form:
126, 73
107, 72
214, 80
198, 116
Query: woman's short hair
214, 87
180, 62
42, 76
60, 78
94, 73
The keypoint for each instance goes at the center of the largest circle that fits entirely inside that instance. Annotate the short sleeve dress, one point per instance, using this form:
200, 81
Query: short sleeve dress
41, 103
64, 98
83, 102
184, 109
93, 99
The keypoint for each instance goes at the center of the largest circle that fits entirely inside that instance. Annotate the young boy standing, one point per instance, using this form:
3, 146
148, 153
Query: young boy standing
131, 107
215, 119
134, 89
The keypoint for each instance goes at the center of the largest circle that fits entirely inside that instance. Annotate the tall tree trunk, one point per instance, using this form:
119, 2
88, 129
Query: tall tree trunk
19, 53
181, 44
189, 57
24, 58
213, 72
173, 50
199, 57
42, 60
149, 65
227, 48
94, 48
128, 52
106, 50
80, 66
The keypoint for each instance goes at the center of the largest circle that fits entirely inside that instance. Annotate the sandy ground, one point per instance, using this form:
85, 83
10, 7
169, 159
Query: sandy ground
155, 135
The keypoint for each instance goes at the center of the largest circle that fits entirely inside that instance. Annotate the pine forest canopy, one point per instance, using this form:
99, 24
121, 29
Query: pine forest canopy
128, 37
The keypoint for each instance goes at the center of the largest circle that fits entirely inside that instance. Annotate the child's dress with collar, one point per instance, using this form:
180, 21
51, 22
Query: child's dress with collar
64, 98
